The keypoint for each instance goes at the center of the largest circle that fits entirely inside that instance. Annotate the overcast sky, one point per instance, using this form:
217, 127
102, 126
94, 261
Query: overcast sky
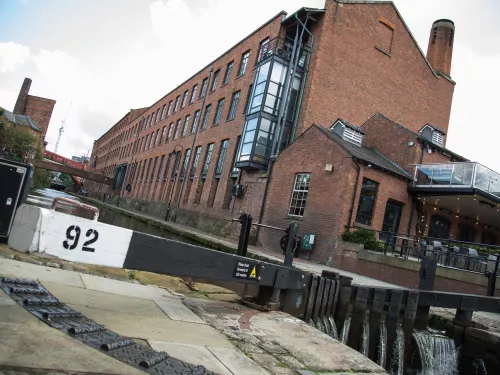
107, 56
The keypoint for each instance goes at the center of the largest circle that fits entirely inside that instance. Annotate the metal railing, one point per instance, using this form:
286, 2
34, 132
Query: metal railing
283, 49
457, 175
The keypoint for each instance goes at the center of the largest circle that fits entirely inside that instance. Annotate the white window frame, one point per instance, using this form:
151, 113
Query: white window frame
302, 192
353, 136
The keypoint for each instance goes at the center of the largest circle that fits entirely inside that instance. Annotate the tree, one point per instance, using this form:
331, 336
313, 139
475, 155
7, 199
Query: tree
41, 177
16, 141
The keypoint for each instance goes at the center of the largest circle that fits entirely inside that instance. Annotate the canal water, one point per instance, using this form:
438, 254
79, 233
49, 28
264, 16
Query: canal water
45, 197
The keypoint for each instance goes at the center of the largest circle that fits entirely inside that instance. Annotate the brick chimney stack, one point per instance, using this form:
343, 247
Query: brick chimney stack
440, 49
22, 97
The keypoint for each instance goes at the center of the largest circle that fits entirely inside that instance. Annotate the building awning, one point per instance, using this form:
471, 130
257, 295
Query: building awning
301, 13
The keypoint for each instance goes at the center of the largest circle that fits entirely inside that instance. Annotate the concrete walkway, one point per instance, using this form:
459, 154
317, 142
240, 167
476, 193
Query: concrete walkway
226, 338
204, 237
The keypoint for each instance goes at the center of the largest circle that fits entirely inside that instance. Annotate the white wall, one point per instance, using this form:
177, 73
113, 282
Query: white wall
69, 237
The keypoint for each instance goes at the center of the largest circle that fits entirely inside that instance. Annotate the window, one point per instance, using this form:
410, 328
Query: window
299, 194
151, 140
163, 114
169, 108
177, 100
234, 106
206, 162
184, 98
437, 138
170, 129
215, 80
160, 168
439, 227
154, 169
143, 169
229, 70
249, 95
147, 122
195, 161
204, 87
218, 112
146, 143
158, 115
186, 124
165, 173
187, 155
149, 167
222, 157
177, 128
156, 138
176, 165
193, 94
243, 63
164, 131
367, 199
352, 136
196, 121
206, 116
263, 48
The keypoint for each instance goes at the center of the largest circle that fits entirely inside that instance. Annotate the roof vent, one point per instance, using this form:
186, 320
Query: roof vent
348, 132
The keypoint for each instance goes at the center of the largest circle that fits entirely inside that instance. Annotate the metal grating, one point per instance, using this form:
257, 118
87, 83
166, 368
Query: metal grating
38, 301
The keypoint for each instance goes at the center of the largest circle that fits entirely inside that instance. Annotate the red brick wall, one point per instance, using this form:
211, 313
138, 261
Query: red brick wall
350, 78
40, 110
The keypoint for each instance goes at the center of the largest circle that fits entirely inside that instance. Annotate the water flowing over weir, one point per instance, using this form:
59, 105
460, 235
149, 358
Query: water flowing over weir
382, 346
365, 340
398, 353
437, 353
344, 336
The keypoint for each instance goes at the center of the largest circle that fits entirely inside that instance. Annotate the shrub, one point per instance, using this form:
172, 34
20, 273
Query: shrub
361, 236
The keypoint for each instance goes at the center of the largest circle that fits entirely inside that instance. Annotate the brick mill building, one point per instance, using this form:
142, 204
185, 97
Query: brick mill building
319, 116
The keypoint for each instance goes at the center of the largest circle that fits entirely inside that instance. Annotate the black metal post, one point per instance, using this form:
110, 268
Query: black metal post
428, 268
492, 278
293, 229
246, 226
387, 240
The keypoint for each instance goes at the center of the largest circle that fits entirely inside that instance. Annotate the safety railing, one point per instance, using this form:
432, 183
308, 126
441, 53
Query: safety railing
457, 175
283, 49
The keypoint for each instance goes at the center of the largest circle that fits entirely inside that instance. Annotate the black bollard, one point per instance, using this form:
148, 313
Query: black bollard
492, 277
246, 226
292, 232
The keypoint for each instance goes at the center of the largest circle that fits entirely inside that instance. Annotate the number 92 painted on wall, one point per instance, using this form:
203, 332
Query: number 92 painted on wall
73, 238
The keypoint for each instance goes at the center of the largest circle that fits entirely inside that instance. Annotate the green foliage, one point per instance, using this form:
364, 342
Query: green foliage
364, 237
16, 141
41, 177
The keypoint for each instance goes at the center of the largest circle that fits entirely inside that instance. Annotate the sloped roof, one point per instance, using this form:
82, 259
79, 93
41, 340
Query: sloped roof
21, 120
433, 128
365, 154
349, 125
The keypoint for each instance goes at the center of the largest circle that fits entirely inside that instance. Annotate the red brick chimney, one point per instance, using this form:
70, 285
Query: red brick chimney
440, 49
22, 97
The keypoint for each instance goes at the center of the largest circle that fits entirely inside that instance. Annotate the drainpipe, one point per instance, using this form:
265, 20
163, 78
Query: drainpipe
304, 80
355, 192
178, 204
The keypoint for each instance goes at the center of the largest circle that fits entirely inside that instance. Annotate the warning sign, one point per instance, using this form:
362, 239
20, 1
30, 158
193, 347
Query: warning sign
246, 270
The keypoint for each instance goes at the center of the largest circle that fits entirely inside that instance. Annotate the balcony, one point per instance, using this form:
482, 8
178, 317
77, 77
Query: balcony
282, 48
457, 178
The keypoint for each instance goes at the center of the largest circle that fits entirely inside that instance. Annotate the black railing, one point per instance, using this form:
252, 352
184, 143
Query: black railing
283, 49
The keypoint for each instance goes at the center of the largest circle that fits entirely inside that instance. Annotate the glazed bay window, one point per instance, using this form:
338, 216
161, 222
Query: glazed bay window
222, 158
196, 121
257, 142
206, 162
299, 194
204, 87
218, 112
206, 116
234, 106
367, 200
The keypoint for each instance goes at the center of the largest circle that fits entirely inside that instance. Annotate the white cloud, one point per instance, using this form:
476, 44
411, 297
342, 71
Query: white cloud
12, 55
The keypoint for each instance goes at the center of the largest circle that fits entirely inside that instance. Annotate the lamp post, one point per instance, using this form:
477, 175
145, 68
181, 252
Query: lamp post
176, 173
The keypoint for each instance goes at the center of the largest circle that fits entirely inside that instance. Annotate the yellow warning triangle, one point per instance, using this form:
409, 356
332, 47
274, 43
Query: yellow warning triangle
253, 274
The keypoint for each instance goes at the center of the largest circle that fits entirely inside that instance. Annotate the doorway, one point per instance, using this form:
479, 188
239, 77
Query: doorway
392, 218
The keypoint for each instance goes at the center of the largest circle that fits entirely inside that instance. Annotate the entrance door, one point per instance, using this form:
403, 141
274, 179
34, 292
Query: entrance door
12, 180
392, 219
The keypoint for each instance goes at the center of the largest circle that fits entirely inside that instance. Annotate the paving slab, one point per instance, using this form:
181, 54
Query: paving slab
123, 288
14, 268
26, 341
176, 310
237, 362
152, 328
104, 301
194, 354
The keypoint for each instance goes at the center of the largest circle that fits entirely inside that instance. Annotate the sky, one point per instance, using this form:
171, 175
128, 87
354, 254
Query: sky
105, 57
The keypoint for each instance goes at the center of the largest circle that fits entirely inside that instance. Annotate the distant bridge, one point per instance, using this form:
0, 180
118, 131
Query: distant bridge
61, 164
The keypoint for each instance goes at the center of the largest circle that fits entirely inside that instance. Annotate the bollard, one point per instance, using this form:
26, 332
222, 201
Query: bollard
246, 226
292, 231
427, 273
492, 273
